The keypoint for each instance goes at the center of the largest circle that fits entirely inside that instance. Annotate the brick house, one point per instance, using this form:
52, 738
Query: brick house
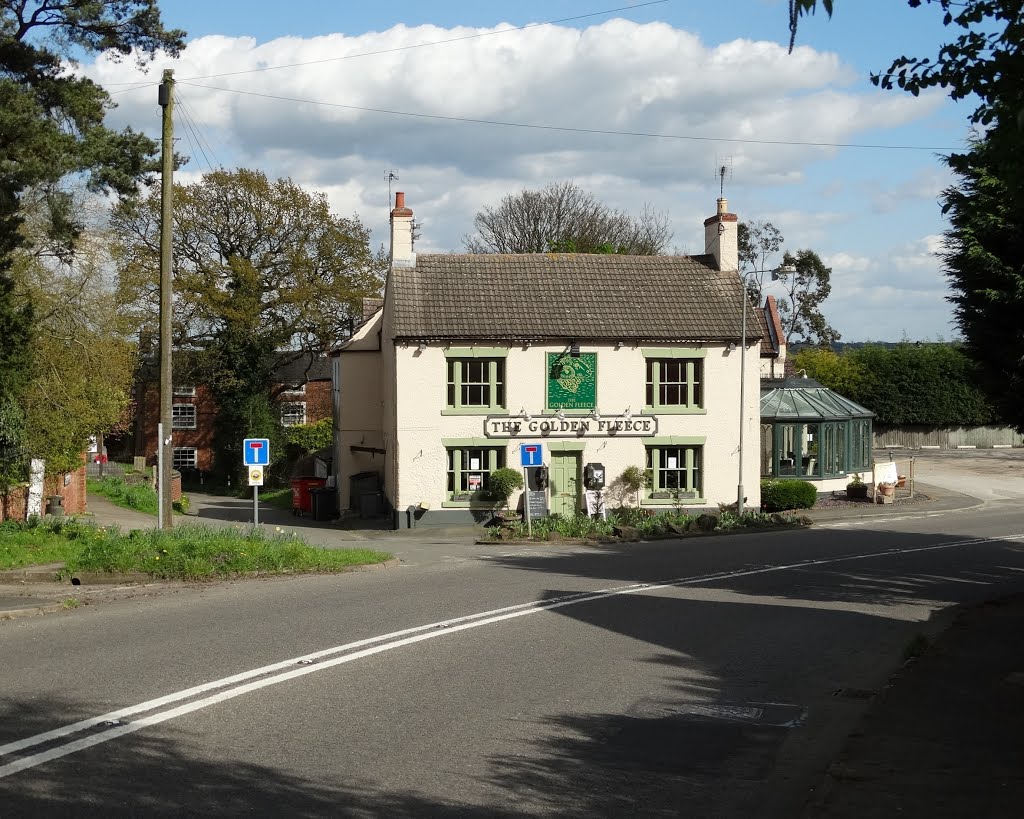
302, 391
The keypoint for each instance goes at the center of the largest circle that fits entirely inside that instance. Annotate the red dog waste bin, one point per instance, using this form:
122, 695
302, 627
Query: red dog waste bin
302, 500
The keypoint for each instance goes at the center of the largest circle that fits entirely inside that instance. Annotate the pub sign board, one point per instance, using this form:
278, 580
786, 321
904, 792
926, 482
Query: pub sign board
572, 382
507, 426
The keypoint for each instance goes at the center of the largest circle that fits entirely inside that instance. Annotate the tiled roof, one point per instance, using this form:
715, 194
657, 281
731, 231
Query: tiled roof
306, 368
568, 295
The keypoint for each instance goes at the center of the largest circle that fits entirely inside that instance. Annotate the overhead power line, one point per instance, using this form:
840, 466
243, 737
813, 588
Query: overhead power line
566, 128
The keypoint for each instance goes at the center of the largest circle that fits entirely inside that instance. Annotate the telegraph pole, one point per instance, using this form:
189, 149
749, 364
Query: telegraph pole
164, 455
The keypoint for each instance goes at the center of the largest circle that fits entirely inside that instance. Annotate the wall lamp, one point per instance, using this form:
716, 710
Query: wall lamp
731, 347
560, 415
422, 346
525, 414
595, 414
574, 349
628, 414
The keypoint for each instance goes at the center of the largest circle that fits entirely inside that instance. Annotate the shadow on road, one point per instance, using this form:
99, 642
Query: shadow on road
149, 775
711, 742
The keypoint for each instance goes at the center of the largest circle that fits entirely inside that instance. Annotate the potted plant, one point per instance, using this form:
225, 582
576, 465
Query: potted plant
887, 489
856, 488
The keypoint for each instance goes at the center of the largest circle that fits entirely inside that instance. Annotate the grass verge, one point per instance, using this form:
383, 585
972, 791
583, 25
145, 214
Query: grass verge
129, 495
278, 498
23, 546
183, 553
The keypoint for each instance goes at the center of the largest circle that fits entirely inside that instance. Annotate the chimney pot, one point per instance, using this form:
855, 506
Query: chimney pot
401, 234
721, 237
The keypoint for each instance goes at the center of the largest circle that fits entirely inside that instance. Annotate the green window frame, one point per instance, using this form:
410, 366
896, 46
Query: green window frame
469, 471
832, 448
797, 448
674, 381
860, 444
675, 472
476, 385
825, 449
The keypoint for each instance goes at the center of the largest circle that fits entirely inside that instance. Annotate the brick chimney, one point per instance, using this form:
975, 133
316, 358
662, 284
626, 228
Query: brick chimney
401, 234
721, 235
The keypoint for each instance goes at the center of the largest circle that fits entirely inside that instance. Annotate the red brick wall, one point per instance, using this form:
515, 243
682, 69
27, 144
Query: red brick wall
73, 493
14, 503
201, 437
317, 398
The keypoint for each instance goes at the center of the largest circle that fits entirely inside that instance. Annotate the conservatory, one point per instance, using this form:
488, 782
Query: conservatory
814, 434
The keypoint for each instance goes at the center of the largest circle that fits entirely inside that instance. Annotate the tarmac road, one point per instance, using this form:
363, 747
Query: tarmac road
717, 676
497, 680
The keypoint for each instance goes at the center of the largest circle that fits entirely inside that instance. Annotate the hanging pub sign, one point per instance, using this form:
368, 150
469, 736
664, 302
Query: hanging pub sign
572, 381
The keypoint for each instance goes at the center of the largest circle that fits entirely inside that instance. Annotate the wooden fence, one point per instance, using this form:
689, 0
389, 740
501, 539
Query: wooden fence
920, 436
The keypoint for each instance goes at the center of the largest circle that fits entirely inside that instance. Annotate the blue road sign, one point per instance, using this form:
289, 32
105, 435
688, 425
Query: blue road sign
256, 451
531, 454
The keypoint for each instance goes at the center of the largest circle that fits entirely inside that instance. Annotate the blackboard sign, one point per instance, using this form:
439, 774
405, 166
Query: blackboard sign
538, 504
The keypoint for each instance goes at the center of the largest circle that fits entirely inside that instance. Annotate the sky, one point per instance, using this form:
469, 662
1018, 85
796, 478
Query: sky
638, 103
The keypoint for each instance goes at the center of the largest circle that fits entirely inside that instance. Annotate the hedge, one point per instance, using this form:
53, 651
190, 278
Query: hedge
778, 496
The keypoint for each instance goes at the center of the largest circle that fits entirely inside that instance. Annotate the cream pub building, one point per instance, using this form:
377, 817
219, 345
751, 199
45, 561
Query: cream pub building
601, 359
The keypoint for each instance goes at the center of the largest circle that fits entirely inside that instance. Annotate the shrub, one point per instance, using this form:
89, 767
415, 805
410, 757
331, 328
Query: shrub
777, 496
311, 437
503, 483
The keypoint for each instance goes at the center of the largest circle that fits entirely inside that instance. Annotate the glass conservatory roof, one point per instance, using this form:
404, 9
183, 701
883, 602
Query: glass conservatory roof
802, 398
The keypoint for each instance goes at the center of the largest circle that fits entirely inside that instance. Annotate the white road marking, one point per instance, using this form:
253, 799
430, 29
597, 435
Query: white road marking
246, 682
872, 521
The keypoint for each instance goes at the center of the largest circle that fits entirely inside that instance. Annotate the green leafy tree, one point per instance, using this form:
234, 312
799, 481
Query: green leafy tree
264, 274
52, 120
51, 125
16, 319
562, 217
983, 62
83, 360
841, 373
807, 283
758, 242
984, 261
308, 438
931, 384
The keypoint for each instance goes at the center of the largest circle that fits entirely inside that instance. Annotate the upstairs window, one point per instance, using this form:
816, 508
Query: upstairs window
183, 416
293, 413
476, 384
674, 383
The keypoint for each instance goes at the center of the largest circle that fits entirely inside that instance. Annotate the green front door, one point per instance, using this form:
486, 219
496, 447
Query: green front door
565, 483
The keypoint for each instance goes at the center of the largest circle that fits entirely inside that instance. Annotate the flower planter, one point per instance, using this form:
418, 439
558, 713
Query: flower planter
887, 489
857, 490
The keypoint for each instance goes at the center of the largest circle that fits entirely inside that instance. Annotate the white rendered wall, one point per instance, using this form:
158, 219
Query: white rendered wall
359, 420
420, 379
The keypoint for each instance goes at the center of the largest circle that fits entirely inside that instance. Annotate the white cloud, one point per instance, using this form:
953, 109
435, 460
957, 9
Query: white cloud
617, 76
